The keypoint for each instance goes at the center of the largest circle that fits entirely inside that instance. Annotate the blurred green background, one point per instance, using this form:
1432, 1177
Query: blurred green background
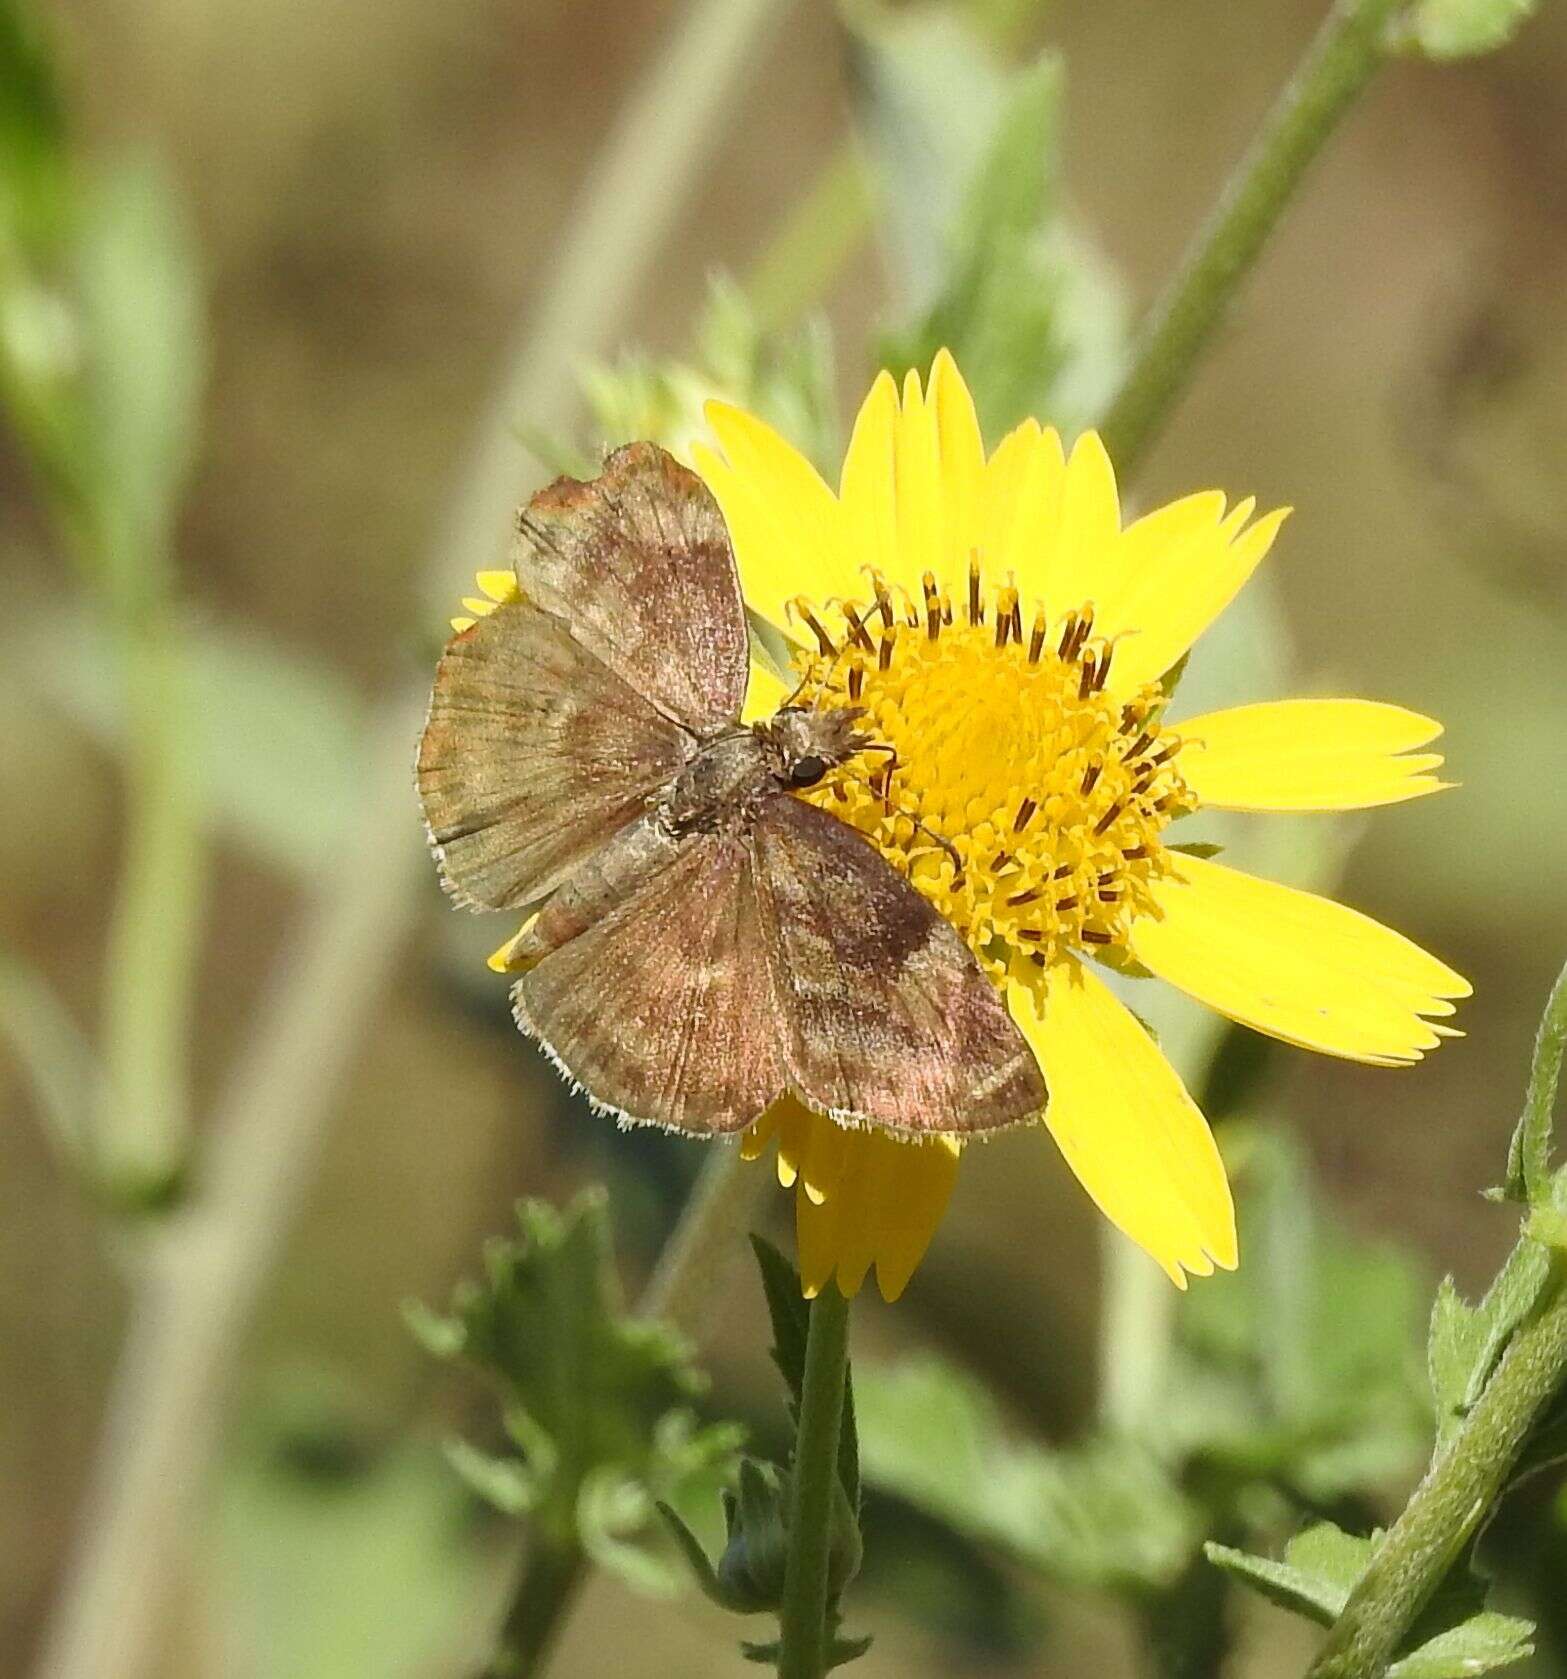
374, 195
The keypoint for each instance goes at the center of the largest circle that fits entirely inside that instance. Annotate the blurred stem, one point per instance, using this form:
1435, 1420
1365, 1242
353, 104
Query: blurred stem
1137, 1323
139, 1144
1347, 51
1448, 1506
203, 1273
803, 1630
813, 242
704, 1240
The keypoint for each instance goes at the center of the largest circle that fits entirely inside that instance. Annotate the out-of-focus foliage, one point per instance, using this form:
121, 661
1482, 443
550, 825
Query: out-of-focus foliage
1289, 1385
1462, 28
1456, 1637
964, 149
786, 378
597, 1405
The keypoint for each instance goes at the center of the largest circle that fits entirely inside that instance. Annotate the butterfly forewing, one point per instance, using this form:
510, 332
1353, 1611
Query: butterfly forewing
887, 1017
639, 562
533, 753
663, 1011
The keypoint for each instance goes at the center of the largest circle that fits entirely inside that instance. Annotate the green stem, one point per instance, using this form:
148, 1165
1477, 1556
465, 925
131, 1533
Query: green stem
1348, 49
1450, 1503
551, 1577
802, 1617
138, 1150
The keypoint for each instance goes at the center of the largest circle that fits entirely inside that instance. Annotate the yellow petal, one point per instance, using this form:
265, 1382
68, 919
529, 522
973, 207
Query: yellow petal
500, 586
962, 465
1161, 600
504, 959
882, 1211
1090, 527
868, 486
782, 519
765, 691
1308, 755
999, 491
1030, 548
919, 489
461, 624
1293, 965
1122, 1118
480, 607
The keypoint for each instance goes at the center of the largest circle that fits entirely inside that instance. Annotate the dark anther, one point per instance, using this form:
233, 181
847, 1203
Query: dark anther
1025, 813
1064, 904
1133, 852
1017, 621
1036, 642
823, 640
1109, 816
1104, 668
1068, 632
1003, 627
856, 681
1062, 872
1090, 776
856, 629
884, 652
1090, 935
1023, 897
976, 608
1085, 682
1137, 745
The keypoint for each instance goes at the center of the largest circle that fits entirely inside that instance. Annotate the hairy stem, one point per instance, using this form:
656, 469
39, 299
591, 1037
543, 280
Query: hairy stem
802, 1617
1449, 1504
1347, 51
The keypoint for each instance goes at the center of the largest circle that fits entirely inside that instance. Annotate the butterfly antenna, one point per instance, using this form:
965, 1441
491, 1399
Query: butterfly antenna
884, 793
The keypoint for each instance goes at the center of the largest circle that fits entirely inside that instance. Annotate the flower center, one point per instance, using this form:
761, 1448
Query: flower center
1022, 799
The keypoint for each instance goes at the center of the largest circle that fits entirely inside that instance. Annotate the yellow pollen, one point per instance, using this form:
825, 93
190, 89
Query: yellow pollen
1019, 796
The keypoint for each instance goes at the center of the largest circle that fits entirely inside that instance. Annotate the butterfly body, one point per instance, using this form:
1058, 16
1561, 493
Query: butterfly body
706, 941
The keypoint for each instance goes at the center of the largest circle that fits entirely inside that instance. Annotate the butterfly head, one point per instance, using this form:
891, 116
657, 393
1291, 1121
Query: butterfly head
802, 746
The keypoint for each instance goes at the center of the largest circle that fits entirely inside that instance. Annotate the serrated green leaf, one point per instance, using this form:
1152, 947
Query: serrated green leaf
1462, 28
597, 1403
1455, 1636
1319, 1568
1529, 1153
1466, 1341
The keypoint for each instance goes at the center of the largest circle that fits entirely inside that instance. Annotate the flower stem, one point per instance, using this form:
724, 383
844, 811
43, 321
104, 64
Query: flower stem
1348, 49
802, 1617
1450, 1503
551, 1577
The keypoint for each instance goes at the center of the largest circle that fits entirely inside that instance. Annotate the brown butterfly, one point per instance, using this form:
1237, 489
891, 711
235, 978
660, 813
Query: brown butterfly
707, 941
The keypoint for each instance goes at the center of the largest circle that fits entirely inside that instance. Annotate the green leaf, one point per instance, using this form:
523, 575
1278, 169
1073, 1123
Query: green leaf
790, 1312
1456, 1635
1462, 28
597, 1403
1465, 1342
33, 185
1529, 1153
143, 336
1320, 1567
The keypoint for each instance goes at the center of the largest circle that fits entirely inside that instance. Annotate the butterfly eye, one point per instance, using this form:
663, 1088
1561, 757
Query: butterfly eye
807, 771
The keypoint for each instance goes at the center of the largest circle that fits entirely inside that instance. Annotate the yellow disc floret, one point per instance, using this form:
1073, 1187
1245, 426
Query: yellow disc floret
1024, 801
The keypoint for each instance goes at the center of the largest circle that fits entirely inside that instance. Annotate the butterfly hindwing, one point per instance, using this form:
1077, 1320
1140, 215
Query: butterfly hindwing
888, 1018
533, 753
638, 561
663, 1010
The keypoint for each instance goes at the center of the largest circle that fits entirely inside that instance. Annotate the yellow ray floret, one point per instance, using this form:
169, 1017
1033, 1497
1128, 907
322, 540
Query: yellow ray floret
1122, 1118
1309, 755
1294, 965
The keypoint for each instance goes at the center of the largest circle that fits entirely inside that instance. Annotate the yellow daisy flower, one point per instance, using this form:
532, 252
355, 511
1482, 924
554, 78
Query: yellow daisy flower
1007, 635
